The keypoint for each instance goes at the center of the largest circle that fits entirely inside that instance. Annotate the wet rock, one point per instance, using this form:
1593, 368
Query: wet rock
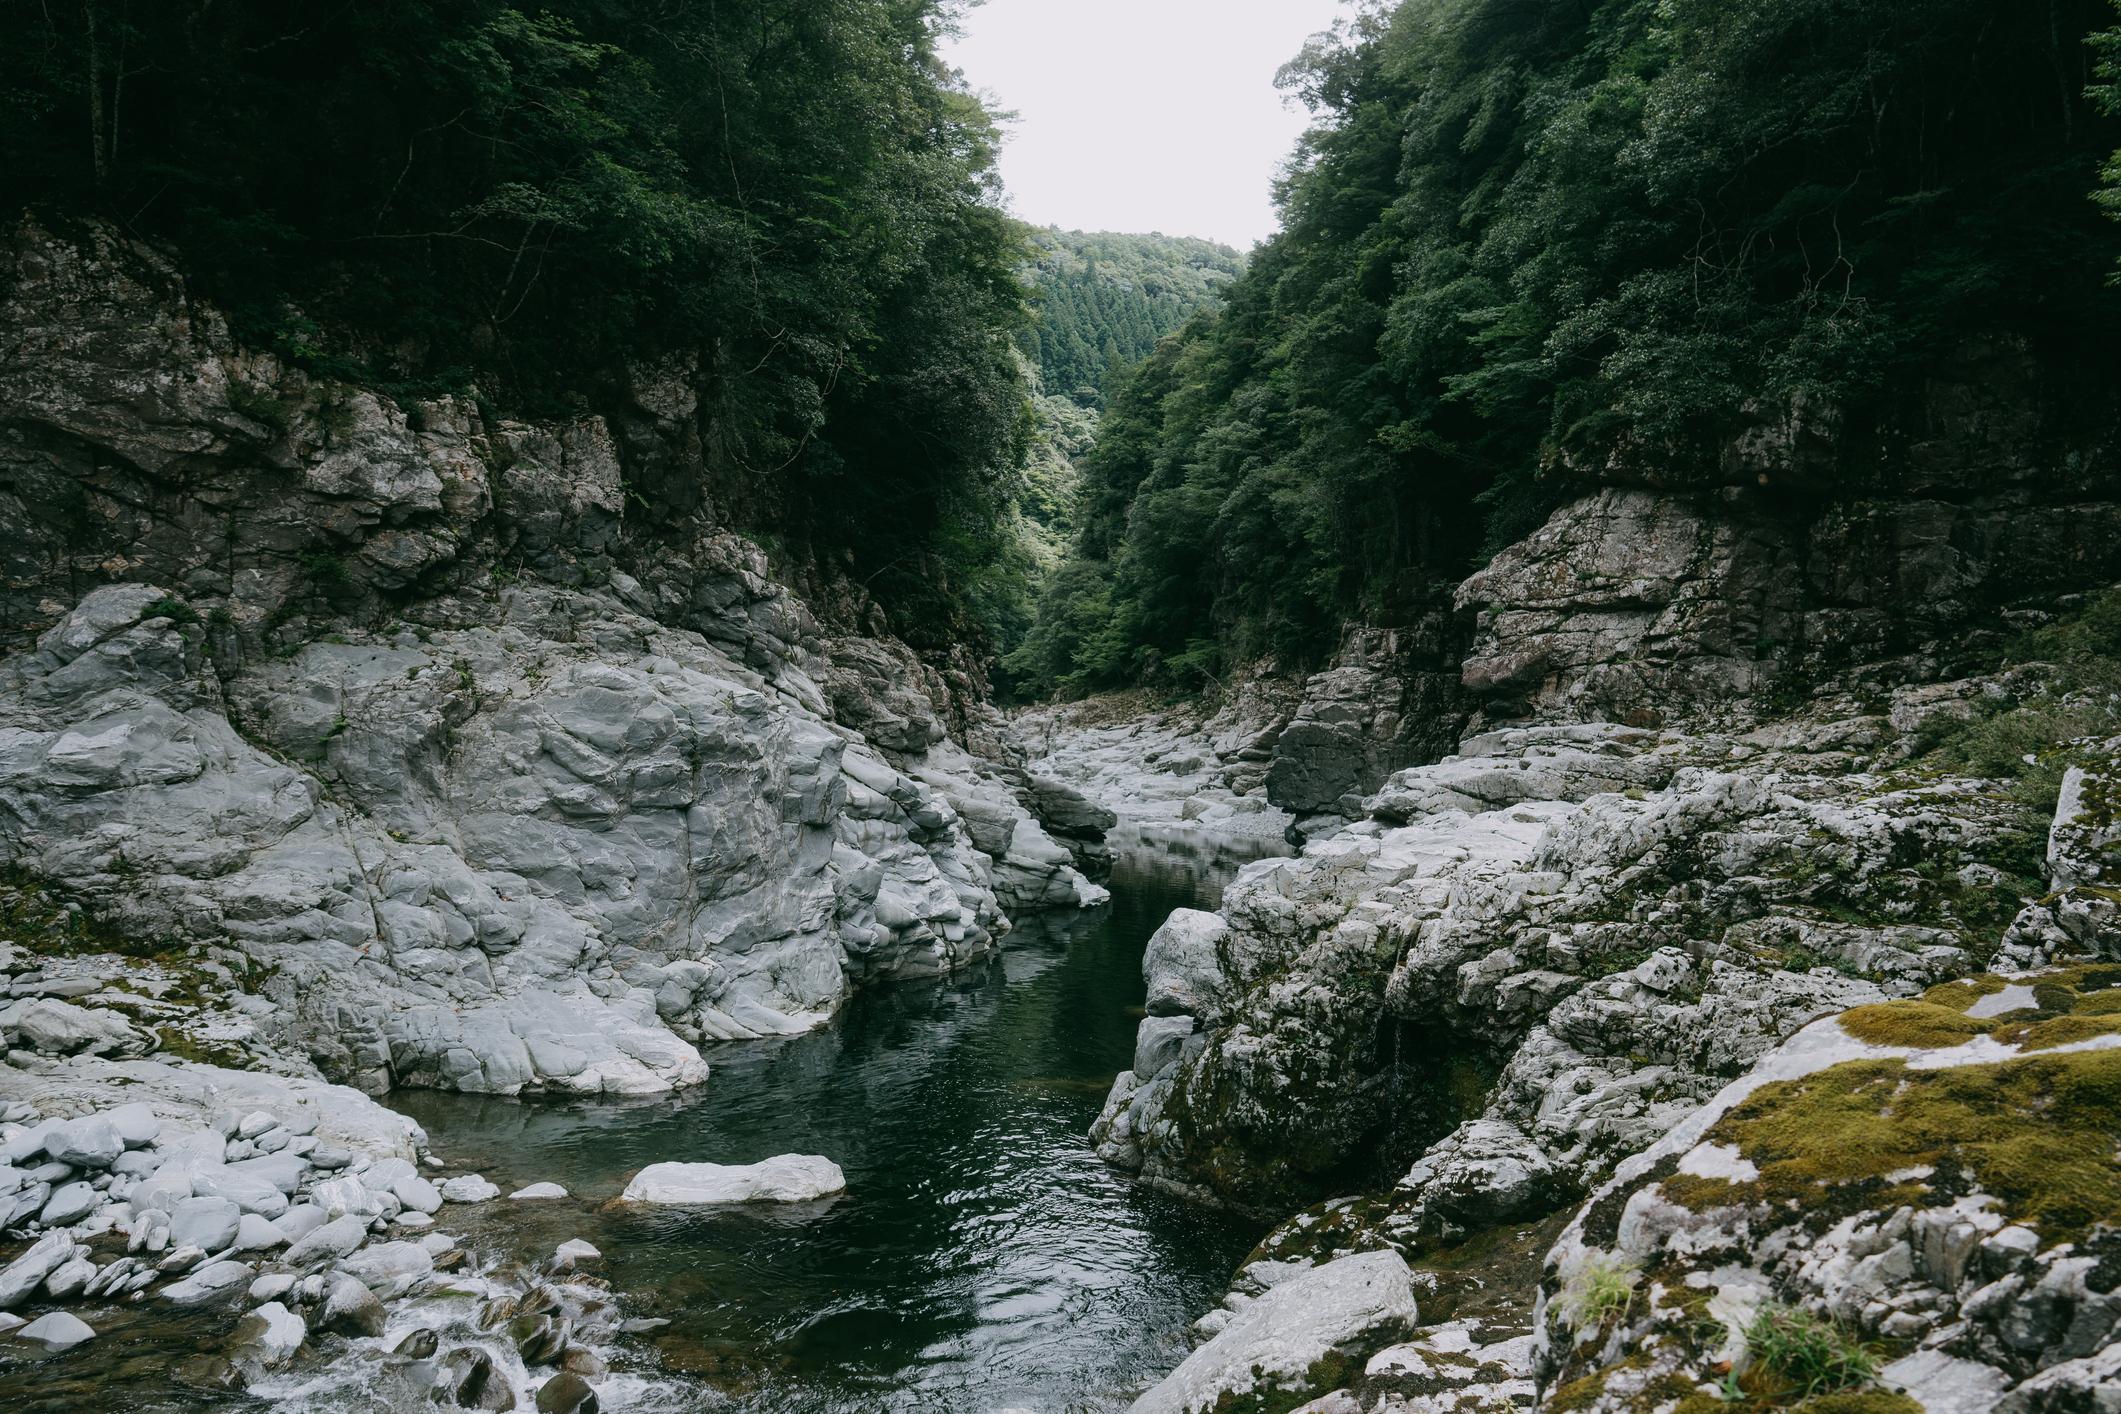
574, 1253
351, 1309
536, 1191
539, 1339
270, 1335
466, 1377
789, 1178
21, 1277
567, 1393
417, 1345
212, 1372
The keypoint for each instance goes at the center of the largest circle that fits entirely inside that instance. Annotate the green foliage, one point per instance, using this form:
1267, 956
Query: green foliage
1104, 300
1524, 241
789, 202
2032, 741
2106, 93
1812, 1356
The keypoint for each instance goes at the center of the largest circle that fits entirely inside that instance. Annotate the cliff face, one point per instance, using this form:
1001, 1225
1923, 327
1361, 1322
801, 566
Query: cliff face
479, 782
1806, 556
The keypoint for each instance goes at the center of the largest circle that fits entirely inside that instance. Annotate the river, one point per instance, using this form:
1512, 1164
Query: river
981, 1259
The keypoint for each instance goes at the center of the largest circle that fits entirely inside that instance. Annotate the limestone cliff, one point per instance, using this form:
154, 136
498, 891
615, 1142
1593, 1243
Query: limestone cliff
479, 777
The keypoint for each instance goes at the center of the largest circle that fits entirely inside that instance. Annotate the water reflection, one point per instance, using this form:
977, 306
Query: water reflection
982, 1257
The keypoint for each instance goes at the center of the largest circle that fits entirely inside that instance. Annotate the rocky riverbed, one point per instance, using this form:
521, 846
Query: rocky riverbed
1747, 1010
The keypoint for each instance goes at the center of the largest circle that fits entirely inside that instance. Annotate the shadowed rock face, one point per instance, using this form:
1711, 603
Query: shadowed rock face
502, 791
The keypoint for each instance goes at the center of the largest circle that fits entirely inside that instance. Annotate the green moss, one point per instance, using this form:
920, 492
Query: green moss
184, 1046
2039, 1132
2069, 1006
1868, 1401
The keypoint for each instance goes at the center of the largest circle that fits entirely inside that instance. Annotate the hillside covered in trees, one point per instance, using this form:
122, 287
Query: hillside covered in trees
1521, 242
1103, 300
789, 206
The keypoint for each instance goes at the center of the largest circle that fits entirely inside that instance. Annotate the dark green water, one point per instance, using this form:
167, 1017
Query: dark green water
982, 1257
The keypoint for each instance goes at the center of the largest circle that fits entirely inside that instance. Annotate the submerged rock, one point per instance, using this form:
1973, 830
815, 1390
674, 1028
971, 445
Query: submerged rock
789, 1178
567, 1393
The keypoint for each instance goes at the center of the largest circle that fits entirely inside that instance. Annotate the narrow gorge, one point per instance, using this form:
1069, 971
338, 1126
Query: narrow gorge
650, 760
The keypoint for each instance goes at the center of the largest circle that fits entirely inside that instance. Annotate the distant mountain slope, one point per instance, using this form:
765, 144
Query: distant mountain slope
1105, 299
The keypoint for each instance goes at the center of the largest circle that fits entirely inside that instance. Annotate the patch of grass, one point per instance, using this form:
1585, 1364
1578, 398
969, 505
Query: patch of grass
1813, 1357
1601, 1288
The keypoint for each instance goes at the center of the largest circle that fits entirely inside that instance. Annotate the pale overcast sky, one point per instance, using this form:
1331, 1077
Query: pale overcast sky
1142, 115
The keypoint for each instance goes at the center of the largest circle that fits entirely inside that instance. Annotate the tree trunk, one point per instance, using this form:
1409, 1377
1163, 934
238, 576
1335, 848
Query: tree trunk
98, 118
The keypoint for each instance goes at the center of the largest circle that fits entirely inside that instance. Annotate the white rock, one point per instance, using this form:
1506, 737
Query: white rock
272, 1333
210, 1224
788, 1178
333, 1240
91, 1142
272, 1286
216, 1281
390, 1268
1272, 1342
574, 1253
540, 1190
255, 1234
137, 1124
300, 1221
417, 1193
69, 1204
469, 1188
57, 1330
250, 1191
69, 1277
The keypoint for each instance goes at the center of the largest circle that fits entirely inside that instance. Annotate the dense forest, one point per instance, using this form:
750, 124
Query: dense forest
792, 201
1523, 239
1104, 300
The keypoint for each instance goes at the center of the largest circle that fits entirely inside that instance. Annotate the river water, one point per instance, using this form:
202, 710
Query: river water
981, 1259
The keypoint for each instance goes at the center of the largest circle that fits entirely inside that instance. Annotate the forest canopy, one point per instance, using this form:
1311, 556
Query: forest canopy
793, 201
1525, 238
1103, 301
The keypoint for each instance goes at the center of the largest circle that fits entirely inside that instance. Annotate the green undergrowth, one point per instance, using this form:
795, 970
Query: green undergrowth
1811, 1357
2028, 742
